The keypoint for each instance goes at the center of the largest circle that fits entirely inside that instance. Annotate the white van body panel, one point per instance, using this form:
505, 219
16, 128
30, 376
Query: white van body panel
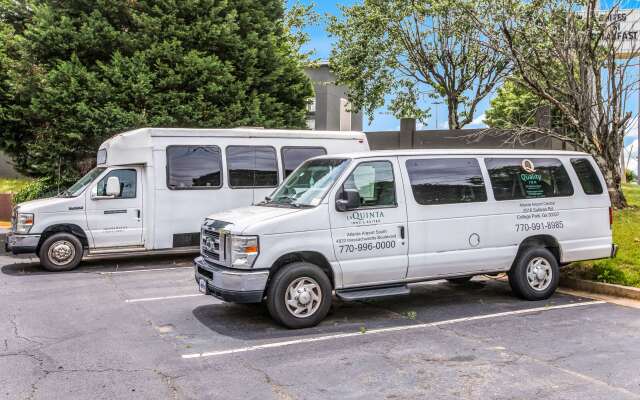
441, 240
349, 229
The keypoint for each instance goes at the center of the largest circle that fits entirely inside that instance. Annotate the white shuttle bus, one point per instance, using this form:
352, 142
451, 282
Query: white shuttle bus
366, 225
152, 188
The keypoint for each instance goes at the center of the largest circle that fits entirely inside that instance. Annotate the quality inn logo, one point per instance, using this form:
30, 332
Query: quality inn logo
528, 166
365, 217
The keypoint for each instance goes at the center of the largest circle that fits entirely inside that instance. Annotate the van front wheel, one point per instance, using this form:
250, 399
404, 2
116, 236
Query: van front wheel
535, 274
60, 252
299, 295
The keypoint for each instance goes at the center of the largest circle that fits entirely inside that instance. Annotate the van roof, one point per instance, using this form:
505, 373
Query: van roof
136, 146
455, 152
253, 132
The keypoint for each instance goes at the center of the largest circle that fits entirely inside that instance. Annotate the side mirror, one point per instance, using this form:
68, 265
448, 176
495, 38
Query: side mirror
350, 200
113, 186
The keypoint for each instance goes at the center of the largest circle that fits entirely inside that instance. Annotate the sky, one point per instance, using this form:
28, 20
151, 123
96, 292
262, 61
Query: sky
321, 43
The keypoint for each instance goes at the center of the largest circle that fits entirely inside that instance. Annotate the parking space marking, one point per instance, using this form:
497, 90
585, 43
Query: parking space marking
387, 330
143, 270
163, 298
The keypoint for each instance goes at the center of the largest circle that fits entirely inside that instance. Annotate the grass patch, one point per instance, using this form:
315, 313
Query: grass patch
625, 268
12, 185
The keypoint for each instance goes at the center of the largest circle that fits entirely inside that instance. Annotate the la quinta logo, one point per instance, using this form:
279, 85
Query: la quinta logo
365, 217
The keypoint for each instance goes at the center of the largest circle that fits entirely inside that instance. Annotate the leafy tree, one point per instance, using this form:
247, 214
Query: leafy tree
87, 69
513, 106
565, 53
406, 50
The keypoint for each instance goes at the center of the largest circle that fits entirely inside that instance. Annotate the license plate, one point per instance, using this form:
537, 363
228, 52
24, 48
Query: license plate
202, 285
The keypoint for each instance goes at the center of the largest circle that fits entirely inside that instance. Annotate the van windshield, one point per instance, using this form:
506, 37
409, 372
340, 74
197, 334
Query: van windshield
307, 185
83, 182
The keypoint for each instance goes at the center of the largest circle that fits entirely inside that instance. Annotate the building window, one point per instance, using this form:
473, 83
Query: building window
524, 178
252, 166
294, 156
587, 176
311, 123
194, 167
311, 106
446, 180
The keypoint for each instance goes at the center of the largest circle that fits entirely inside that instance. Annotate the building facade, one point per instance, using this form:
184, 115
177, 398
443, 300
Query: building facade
330, 109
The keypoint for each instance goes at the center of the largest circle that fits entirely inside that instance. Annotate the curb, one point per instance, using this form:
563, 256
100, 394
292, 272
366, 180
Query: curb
601, 288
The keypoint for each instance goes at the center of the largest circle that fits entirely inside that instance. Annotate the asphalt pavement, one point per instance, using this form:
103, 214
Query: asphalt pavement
138, 329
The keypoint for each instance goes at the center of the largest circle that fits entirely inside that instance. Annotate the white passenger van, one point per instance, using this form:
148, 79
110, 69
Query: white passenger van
152, 188
365, 225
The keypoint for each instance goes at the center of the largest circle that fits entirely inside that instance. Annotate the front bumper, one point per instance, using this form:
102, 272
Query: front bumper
21, 244
232, 285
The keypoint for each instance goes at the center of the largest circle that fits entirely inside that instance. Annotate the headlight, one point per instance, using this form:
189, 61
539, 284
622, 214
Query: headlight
244, 251
24, 223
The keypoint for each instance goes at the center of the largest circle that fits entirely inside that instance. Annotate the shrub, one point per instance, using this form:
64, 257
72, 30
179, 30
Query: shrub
631, 175
36, 189
606, 273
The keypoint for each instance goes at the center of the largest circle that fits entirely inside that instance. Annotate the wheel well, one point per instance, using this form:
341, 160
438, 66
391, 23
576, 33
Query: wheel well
312, 257
68, 228
546, 241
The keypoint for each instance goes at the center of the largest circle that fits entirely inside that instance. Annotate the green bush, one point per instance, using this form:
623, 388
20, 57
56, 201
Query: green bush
36, 189
606, 273
631, 175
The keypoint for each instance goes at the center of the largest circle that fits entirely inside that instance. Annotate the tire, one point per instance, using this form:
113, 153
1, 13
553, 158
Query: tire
314, 280
460, 281
535, 274
60, 252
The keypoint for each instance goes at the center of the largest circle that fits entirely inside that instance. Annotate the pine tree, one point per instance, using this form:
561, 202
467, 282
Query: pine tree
87, 69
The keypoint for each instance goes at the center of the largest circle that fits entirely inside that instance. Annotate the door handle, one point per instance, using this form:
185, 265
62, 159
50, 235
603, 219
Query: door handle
401, 231
138, 214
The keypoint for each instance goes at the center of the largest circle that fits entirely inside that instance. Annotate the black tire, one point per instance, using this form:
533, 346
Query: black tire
65, 243
276, 302
460, 281
519, 281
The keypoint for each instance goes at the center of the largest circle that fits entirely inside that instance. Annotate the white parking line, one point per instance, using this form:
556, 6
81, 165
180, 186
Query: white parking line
386, 330
163, 298
143, 270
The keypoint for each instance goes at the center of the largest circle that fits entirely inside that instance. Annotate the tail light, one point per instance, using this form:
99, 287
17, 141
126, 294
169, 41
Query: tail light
610, 217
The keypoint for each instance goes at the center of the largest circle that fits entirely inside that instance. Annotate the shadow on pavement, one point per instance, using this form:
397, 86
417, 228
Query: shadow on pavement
137, 263
432, 302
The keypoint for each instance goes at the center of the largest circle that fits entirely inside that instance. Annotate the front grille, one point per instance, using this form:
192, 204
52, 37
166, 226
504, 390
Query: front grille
210, 255
212, 245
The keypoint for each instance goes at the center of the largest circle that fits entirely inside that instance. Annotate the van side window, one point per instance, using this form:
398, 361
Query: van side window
446, 180
527, 178
252, 166
374, 182
292, 157
194, 167
127, 179
587, 176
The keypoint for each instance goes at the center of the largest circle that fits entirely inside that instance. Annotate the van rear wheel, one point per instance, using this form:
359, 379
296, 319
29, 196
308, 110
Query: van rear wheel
535, 274
60, 252
299, 295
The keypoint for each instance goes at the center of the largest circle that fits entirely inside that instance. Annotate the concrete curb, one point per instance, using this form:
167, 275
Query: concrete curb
601, 288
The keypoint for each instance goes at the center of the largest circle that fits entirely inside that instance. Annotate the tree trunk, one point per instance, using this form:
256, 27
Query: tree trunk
611, 171
452, 108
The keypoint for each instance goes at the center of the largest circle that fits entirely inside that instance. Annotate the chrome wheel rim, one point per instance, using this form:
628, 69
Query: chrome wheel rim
303, 297
61, 252
539, 273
